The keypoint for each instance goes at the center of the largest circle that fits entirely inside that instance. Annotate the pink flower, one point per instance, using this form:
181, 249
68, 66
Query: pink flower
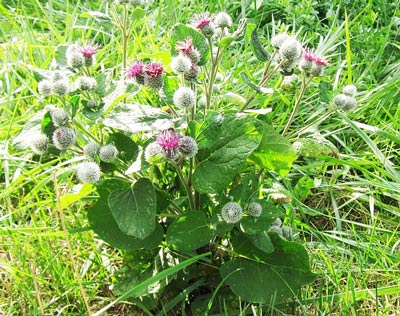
135, 70
186, 46
168, 140
201, 20
311, 56
89, 50
153, 69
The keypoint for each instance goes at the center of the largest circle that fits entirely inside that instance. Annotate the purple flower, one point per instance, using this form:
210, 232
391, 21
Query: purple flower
89, 50
168, 140
153, 69
135, 70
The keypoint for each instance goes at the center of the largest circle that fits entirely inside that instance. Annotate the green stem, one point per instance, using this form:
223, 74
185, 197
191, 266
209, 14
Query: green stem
185, 183
304, 85
125, 37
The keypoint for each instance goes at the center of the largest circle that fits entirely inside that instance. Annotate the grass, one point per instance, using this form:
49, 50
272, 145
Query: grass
346, 208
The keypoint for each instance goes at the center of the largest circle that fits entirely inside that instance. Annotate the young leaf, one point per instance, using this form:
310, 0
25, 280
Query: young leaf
275, 152
134, 209
258, 48
189, 231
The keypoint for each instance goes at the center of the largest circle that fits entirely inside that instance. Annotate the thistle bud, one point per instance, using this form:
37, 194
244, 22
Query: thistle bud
45, 87
136, 72
350, 90
57, 75
59, 117
203, 22
75, 59
88, 51
153, 76
181, 64
188, 146
345, 102
88, 172
108, 153
64, 137
154, 153
184, 98
232, 212
169, 141
39, 144
278, 40
61, 87
86, 83
223, 20
255, 209
91, 150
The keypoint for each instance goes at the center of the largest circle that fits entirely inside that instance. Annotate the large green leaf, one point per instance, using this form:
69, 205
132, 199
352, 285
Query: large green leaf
127, 148
258, 48
134, 208
271, 278
228, 144
254, 225
182, 32
275, 152
189, 231
105, 226
136, 118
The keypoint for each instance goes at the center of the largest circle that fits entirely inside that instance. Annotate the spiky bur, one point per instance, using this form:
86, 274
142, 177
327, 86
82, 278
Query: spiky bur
60, 87
91, 150
57, 75
278, 40
312, 64
350, 90
188, 146
45, 87
184, 98
153, 75
289, 54
38, 144
204, 23
186, 48
222, 20
169, 141
181, 64
232, 212
86, 83
88, 172
74, 56
290, 82
59, 117
108, 153
254, 209
345, 102
154, 153
64, 137
88, 52
136, 72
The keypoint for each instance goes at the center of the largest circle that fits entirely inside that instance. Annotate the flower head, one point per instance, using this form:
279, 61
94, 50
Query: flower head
86, 83
153, 69
168, 140
154, 153
232, 212
181, 64
64, 137
88, 172
39, 144
136, 71
223, 20
204, 23
350, 90
255, 209
45, 87
184, 98
108, 153
91, 150
279, 39
188, 146
61, 87
185, 46
59, 117
89, 50
312, 63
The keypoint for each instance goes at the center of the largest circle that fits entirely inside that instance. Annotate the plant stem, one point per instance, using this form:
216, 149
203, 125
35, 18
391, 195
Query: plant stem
185, 183
125, 37
304, 85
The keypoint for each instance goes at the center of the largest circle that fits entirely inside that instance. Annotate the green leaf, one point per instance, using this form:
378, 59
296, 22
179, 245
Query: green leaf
229, 142
255, 87
61, 57
128, 149
189, 231
273, 277
70, 198
104, 225
325, 90
47, 126
275, 152
74, 104
254, 225
135, 118
182, 32
258, 48
134, 209
225, 42
262, 241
